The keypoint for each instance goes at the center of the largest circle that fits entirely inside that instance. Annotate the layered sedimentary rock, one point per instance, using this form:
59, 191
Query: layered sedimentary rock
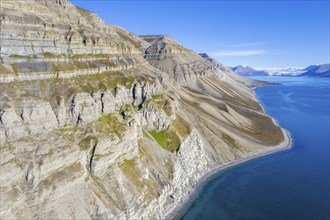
56, 39
96, 122
58, 27
182, 64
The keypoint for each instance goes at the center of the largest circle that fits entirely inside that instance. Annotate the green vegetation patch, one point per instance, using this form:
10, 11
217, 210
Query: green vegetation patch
107, 62
85, 65
181, 126
161, 102
16, 56
136, 107
15, 68
63, 66
87, 142
111, 124
65, 174
132, 172
145, 134
4, 70
50, 55
141, 145
91, 83
168, 110
127, 111
105, 81
168, 139
97, 156
157, 99
51, 90
80, 56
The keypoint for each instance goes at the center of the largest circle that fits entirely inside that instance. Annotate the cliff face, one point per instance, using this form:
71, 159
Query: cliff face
182, 64
47, 39
96, 122
41, 26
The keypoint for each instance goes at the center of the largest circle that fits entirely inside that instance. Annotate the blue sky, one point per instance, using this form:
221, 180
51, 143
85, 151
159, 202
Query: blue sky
255, 33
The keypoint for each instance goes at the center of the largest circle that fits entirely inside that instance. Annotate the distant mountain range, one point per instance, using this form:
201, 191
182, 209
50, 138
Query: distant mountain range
317, 70
322, 70
248, 71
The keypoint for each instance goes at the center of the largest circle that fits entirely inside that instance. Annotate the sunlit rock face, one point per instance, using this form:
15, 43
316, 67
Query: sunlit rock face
96, 122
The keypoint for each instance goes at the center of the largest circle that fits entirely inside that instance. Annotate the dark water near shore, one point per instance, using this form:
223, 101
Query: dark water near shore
292, 184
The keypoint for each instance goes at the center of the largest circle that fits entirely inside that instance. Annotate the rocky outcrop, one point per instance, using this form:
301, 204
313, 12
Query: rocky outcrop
12, 126
191, 164
37, 116
182, 65
34, 116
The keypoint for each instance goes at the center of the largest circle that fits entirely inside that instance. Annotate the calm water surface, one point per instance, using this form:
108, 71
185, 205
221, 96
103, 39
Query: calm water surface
293, 184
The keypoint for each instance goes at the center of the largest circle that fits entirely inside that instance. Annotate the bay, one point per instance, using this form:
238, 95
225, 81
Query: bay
292, 184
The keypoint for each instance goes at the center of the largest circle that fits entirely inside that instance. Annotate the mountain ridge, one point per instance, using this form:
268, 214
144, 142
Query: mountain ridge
321, 70
248, 71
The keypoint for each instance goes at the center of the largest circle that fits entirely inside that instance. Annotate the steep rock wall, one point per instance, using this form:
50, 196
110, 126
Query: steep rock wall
36, 27
33, 116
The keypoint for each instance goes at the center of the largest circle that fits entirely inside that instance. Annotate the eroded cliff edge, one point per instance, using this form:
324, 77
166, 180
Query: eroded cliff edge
96, 122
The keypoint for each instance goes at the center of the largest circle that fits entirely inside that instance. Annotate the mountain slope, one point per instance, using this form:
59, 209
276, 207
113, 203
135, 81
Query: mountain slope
322, 70
182, 64
98, 123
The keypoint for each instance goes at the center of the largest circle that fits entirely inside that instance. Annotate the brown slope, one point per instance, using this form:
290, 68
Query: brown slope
214, 96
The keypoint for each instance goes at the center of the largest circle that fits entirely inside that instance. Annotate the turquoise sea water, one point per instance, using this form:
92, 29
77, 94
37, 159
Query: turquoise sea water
292, 184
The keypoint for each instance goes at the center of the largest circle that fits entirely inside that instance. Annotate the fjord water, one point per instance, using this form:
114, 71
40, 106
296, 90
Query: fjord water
291, 184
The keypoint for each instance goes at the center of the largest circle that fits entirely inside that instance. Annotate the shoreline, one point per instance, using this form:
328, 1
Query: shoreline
284, 145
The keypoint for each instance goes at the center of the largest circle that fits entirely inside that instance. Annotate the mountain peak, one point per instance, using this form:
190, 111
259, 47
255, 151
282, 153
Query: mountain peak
247, 71
322, 70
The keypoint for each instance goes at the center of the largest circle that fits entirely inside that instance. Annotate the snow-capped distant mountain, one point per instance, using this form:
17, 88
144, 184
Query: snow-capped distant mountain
310, 67
312, 70
248, 71
322, 70
289, 71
